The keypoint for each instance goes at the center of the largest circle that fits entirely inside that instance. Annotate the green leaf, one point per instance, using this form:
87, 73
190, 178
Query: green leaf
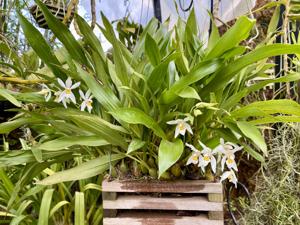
283, 106
168, 154
232, 37
83, 171
214, 36
158, 75
134, 145
189, 92
89, 36
121, 68
151, 28
7, 127
252, 132
62, 32
232, 69
45, 207
152, 50
103, 94
57, 207
137, 116
68, 141
234, 99
99, 127
276, 119
200, 71
79, 208
5, 94
40, 46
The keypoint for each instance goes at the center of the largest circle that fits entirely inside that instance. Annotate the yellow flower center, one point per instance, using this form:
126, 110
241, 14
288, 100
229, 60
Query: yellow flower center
195, 158
181, 126
206, 158
230, 161
68, 91
89, 103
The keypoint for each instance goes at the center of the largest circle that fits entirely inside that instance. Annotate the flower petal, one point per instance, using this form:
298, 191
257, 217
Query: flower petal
223, 162
172, 122
72, 97
64, 103
83, 105
188, 128
213, 164
61, 83
82, 95
90, 108
219, 148
225, 175
177, 131
88, 93
192, 147
62, 96
69, 82
232, 165
182, 132
76, 85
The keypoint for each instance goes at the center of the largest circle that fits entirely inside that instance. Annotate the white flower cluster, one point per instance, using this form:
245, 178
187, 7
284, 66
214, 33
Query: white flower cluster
66, 94
207, 156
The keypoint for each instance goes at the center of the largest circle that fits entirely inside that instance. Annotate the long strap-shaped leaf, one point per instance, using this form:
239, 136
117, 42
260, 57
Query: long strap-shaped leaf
232, 69
62, 32
232, 37
201, 70
283, 106
85, 170
45, 207
40, 46
79, 208
137, 116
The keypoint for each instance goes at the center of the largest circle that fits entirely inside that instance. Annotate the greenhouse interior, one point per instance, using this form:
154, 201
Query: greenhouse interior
147, 112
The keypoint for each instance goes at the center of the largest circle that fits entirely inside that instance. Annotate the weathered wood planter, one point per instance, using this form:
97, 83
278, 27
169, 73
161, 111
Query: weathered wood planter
147, 202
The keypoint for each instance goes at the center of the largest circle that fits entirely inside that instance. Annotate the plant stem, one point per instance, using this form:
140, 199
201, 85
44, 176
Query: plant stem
21, 81
285, 28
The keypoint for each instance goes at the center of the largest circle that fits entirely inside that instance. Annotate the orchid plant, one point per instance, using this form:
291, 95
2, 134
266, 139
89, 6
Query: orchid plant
170, 104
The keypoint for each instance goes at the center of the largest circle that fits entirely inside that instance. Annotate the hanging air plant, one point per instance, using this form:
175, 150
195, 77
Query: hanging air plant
56, 7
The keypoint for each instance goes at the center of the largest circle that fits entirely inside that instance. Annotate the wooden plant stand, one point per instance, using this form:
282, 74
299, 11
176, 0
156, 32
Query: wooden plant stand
146, 202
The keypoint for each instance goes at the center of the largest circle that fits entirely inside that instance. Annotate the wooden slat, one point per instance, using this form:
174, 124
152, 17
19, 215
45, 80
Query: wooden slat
153, 219
198, 203
215, 215
187, 186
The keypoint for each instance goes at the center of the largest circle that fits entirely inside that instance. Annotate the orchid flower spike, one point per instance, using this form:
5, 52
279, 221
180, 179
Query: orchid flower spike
87, 101
46, 92
230, 175
195, 157
208, 157
67, 92
181, 126
228, 149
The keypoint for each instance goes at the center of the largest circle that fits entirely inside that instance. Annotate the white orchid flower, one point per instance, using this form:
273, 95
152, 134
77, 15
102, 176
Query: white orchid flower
195, 157
208, 157
230, 175
67, 92
64, 101
181, 126
46, 92
228, 149
87, 101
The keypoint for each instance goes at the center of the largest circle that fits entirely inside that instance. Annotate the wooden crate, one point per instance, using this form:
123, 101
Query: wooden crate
147, 202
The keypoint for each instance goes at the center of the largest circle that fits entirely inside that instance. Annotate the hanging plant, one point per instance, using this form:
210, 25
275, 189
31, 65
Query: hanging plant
57, 7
